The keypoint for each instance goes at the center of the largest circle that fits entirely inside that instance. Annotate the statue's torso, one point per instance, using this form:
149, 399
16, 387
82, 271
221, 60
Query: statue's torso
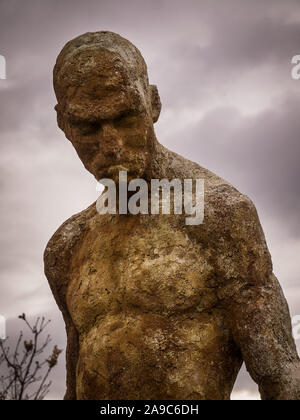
149, 321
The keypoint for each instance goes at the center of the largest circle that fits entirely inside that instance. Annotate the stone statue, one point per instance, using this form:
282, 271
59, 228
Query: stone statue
156, 309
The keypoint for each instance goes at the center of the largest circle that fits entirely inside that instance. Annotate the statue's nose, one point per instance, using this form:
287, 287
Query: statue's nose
111, 139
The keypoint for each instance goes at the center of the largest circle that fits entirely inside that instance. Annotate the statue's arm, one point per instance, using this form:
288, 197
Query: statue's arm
257, 310
57, 257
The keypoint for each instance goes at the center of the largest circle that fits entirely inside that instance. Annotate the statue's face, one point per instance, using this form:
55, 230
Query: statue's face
105, 116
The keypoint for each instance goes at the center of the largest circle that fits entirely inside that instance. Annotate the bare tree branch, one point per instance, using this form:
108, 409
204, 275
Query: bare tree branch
24, 369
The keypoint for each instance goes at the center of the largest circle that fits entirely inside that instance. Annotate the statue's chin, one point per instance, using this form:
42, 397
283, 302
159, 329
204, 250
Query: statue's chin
112, 172
133, 170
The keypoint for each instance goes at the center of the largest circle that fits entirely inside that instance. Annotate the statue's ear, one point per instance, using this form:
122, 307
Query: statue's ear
155, 102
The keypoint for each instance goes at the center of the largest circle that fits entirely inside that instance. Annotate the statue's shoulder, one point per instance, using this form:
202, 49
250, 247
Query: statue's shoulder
227, 211
223, 198
67, 235
229, 208
219, 193
231, 232
224, 206
60, 247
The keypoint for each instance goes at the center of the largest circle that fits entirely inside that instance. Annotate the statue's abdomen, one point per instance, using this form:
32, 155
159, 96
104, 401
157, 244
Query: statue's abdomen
146, 356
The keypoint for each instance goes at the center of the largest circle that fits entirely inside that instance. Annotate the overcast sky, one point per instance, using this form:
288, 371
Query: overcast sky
223, 69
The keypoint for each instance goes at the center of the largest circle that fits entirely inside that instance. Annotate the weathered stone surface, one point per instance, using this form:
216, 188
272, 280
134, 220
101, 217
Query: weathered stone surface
155, 309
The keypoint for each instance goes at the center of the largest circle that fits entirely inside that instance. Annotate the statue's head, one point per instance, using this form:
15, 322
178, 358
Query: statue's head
106, 106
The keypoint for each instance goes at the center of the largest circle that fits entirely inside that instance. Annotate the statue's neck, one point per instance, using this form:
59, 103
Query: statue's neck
159, 162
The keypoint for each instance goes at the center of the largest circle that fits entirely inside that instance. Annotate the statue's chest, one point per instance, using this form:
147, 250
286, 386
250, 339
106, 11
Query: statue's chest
131, 262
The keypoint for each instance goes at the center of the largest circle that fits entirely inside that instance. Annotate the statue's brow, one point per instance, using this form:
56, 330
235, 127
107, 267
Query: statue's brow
77, 120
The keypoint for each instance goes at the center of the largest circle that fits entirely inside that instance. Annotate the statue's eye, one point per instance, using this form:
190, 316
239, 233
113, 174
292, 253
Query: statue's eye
86, 127
127, 120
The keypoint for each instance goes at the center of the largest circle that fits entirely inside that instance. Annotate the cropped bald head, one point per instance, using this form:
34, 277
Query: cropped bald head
107, 41
104, 62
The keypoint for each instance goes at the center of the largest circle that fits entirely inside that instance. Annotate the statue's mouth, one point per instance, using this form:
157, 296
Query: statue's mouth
112, 169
